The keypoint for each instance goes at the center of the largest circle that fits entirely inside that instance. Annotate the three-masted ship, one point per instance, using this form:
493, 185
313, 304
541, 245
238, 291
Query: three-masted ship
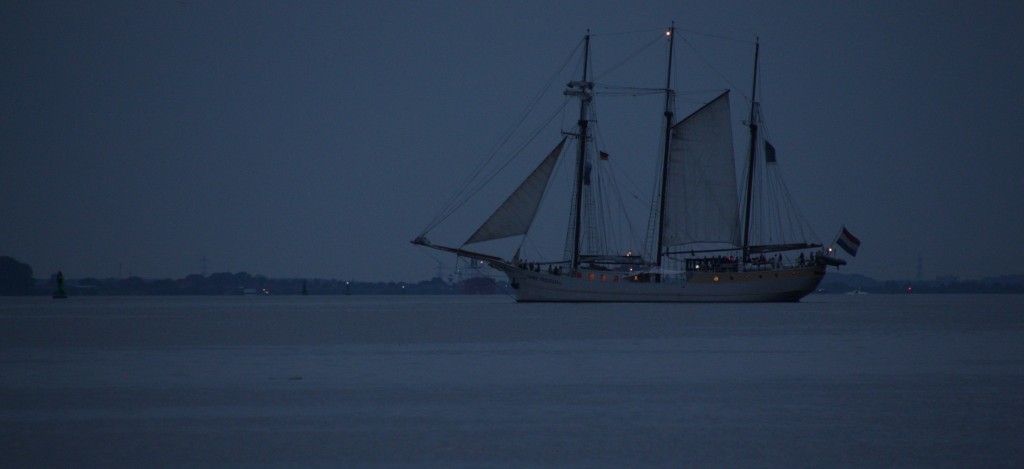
701, 226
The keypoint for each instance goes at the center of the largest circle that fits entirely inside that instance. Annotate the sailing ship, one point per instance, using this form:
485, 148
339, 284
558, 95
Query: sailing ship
700, 237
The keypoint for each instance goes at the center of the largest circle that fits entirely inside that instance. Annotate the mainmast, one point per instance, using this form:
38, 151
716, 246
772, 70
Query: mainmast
753, 157
669, 105
582, 89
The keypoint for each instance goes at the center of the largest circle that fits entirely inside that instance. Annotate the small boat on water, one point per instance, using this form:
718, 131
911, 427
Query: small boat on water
699, 247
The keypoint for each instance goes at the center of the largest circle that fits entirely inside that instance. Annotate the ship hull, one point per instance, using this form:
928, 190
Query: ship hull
778, 285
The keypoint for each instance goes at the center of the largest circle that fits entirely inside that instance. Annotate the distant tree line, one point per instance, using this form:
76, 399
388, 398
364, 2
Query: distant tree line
243, 283
16, 279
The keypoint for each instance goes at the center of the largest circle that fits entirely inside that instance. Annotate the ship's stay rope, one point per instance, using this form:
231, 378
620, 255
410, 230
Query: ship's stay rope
629, 58
464, 192
715, 69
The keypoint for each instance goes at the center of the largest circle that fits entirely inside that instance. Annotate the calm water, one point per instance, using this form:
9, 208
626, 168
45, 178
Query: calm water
866, 381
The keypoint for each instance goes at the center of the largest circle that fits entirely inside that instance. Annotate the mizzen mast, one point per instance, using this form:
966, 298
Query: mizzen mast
753, 157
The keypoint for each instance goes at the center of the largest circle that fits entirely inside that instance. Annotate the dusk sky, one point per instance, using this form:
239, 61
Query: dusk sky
316, 139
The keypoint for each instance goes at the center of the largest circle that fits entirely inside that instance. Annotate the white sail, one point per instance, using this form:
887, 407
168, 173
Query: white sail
701, 200
516, 214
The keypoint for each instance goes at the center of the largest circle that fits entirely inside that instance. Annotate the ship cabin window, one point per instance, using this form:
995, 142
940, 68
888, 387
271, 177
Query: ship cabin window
711, 264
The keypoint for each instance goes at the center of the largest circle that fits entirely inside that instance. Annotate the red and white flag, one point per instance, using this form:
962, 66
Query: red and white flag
848, 242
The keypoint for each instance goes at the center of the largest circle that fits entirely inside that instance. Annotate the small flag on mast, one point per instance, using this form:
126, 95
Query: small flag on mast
769, 152
604, 156
848, 242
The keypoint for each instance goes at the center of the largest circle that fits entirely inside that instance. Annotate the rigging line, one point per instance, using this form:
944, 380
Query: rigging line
451, 205
762, 122
630, 57
616, 190
802, 221
634, 94
526, 237
716, 36
700, 98
633, 189
472, 192
627, 93
518, 150
623, 33
710, 65
701, 92
598, 192
610, 168
779, 181
533, 245
628, 88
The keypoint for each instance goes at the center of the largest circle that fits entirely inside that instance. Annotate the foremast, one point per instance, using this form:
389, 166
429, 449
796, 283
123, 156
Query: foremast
582, 89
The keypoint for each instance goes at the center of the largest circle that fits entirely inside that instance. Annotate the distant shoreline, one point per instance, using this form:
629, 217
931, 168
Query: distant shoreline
17, 279
244, 284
